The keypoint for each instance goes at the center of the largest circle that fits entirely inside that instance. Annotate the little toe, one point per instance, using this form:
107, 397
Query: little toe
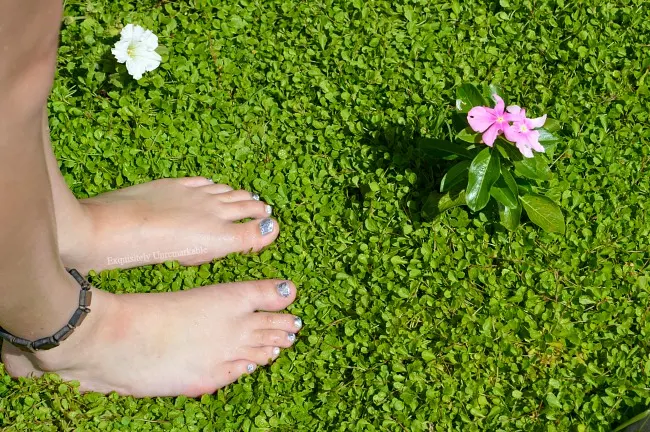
195, 181
235, 196
244, 210
232, 371
216, 189
273, 338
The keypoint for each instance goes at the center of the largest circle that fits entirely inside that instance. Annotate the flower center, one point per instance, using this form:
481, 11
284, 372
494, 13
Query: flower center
500, 119
130, 51
523, 129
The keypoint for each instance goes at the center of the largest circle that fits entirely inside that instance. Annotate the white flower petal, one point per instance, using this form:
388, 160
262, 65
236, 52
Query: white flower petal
149, 40
135, 68
127, 32
150, 59
121, 51
138, 31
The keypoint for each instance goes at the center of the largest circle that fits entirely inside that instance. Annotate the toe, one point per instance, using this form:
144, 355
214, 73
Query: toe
266, 295
272, 338
263, 355
255, 235
276, 321
244, 209
235, 196
195, 181
232, 371
216, 189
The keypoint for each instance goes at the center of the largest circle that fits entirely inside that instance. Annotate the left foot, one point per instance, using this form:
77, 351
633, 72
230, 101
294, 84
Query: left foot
190, 220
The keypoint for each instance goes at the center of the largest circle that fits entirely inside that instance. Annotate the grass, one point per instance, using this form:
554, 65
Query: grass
413, 322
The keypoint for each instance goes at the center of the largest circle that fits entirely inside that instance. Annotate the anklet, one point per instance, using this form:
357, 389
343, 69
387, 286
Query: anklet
85, 296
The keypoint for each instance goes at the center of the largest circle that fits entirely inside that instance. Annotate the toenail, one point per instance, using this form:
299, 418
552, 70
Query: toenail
266, 226
210, 180
268, 209
276, 351
255, 196
250, 368
283, 289
291, 337
297, 322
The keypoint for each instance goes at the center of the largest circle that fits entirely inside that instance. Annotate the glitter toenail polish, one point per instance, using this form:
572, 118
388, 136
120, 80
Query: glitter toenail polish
255, 196
268, 210
291, 337
276, 351
250, 368
266, 226
297, 322
283, 289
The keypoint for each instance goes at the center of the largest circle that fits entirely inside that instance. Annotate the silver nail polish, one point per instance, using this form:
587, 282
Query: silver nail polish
250, 368
291, 337
255, 196
276, 351
268, 209
297, 322
283, 289
210, 180
266, 226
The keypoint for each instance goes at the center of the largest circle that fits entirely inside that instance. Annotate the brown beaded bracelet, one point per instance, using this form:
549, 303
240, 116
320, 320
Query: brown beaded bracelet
85, 296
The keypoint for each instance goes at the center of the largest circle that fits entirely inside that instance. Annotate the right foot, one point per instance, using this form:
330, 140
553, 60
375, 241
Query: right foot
167, 344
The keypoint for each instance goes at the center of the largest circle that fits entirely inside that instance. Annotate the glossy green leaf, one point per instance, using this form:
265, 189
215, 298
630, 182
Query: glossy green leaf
510, 216
457, 174
504, 190
543, 212
469, 136
468, 96
535, 168
483, 173
436, 147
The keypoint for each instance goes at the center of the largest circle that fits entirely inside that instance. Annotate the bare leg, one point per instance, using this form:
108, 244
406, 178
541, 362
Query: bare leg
147, 344
188, 219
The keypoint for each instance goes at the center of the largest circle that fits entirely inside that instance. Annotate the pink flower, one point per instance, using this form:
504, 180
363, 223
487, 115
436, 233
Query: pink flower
522, 132
489, 121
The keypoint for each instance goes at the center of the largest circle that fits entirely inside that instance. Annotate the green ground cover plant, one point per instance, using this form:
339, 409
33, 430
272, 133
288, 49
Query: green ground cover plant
415, 319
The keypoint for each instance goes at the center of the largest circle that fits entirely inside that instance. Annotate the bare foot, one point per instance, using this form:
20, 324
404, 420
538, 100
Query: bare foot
190, 220
189, 342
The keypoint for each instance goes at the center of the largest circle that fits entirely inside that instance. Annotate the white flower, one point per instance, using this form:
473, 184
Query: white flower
137, 48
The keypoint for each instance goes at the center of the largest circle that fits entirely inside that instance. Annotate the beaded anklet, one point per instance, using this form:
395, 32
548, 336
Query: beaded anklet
85, 296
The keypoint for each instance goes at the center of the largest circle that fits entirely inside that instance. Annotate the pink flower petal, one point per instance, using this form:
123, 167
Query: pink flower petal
512, 132
524, 149
491, 134
513, 109
538, 122
499, 107
480, 118
532, 141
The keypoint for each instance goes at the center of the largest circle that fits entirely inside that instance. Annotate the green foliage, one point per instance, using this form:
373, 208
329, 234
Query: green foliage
412, 322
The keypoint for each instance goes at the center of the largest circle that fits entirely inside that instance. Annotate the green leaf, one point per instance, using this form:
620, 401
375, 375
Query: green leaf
553, 402
644, 415
552, 125
491, 89
484, 171
505, 189
544, 212
437, 203
468, 135
456, 175
545, 136
535, 168
467, 97
436, 147
510, 217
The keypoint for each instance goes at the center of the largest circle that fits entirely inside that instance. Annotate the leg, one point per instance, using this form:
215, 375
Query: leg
190, 342
188, 219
